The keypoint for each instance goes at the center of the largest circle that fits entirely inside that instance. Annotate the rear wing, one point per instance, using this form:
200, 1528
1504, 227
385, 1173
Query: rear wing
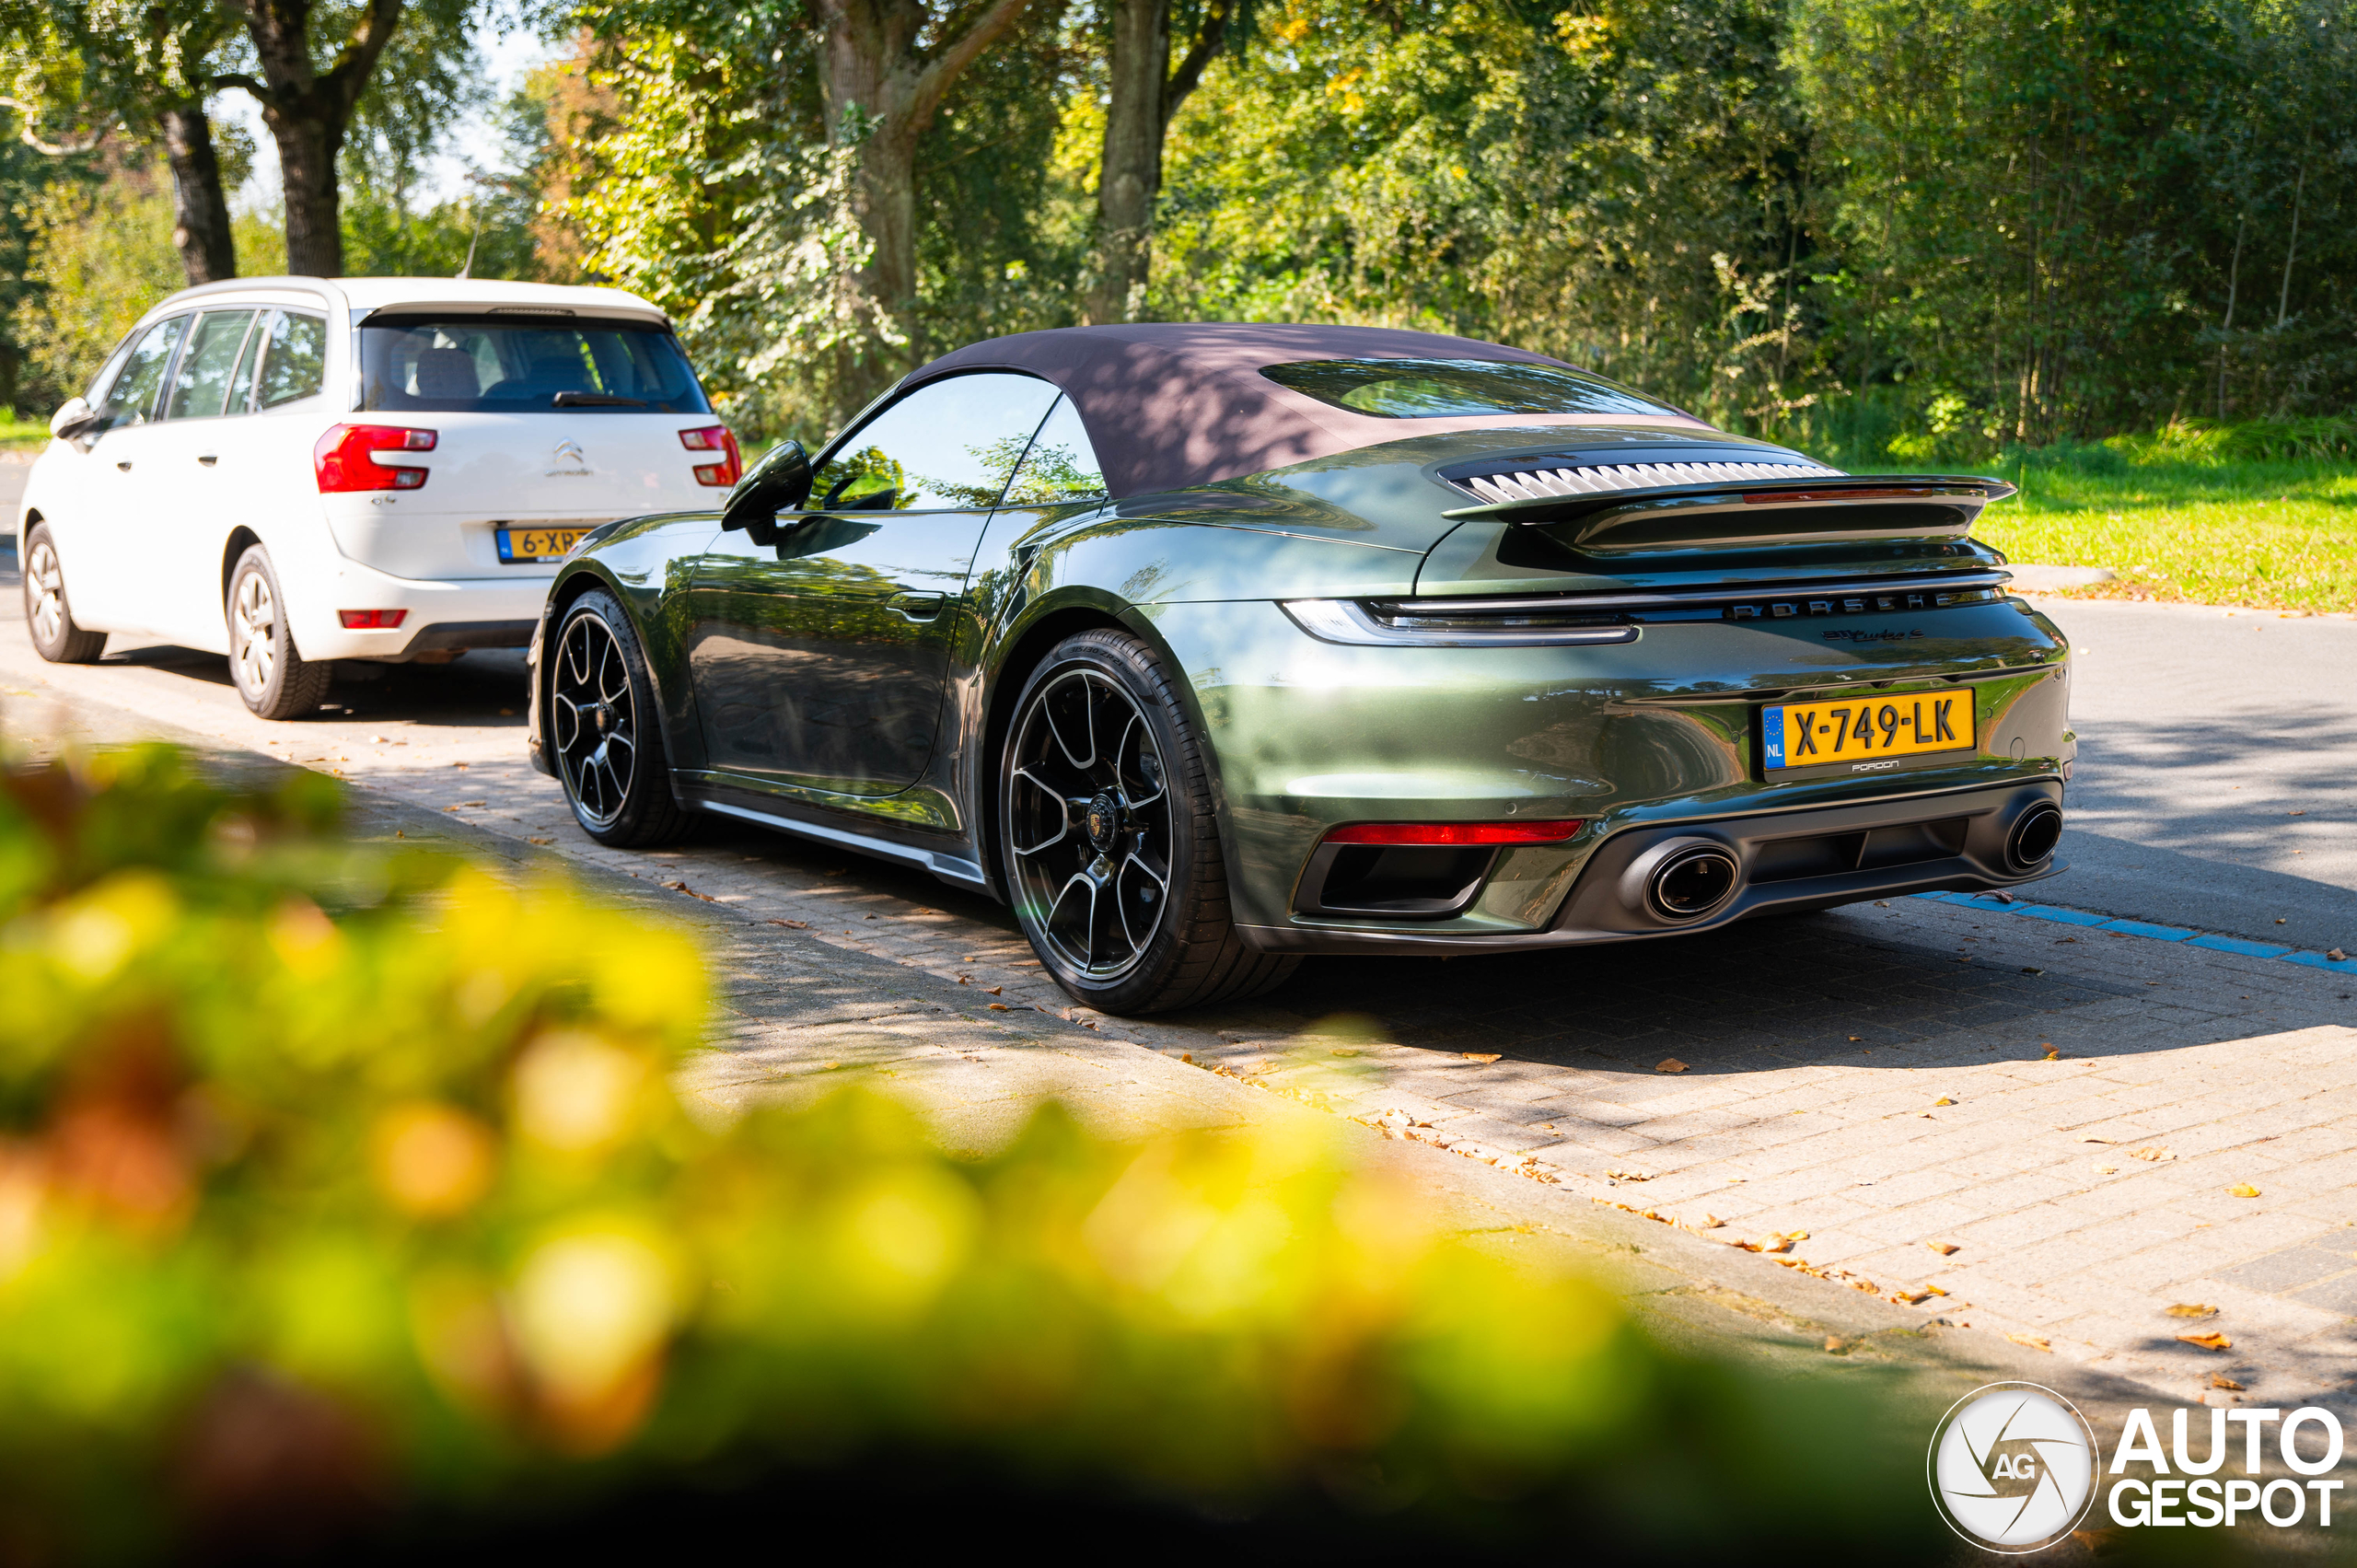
1752, 513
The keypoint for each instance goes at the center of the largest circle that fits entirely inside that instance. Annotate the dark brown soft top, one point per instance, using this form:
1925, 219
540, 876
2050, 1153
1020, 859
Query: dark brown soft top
1173, 405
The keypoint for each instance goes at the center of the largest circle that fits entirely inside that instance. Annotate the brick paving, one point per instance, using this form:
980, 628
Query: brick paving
2104, 1090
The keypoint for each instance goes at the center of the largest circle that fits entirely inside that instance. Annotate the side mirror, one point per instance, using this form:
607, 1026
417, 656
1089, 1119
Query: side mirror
778, 482
72, 419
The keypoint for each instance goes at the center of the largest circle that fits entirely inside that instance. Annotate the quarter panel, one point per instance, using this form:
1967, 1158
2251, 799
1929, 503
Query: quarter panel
647, 563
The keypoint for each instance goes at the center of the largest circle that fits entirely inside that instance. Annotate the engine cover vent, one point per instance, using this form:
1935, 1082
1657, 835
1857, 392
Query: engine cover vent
1532, 484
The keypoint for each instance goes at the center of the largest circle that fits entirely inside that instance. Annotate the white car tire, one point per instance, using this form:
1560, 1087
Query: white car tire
49, 614
269, 672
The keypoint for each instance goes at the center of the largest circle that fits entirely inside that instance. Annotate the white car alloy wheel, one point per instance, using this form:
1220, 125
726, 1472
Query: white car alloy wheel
253, 633
49, 614
271, 675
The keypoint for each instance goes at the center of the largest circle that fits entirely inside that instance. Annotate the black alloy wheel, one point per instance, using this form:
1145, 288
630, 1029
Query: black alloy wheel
1108, 843
49, 614
604, 729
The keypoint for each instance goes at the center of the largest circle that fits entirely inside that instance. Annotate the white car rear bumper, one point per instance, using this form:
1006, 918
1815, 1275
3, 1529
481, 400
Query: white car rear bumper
467, 612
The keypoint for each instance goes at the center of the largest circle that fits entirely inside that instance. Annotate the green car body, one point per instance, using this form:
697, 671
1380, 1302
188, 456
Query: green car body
1650, 741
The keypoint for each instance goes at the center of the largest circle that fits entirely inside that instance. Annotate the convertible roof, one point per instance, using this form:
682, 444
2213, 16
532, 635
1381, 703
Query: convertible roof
1172, 404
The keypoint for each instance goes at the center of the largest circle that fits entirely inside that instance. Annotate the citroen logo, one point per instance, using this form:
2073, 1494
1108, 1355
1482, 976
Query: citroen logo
570, 451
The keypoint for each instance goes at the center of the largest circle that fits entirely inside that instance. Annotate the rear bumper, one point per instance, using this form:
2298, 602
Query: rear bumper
1788, 862
487, 612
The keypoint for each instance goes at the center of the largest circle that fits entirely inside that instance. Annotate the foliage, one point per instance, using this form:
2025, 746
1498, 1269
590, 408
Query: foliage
335, 1183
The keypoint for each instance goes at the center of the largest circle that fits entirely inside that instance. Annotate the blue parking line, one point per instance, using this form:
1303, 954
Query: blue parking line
2146, 929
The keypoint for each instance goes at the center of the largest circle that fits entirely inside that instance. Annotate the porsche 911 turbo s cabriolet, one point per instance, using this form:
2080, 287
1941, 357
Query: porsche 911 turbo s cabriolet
1209, 647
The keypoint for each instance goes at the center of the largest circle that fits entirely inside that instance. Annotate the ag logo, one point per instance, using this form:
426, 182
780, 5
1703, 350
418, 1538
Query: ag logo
2013, 1467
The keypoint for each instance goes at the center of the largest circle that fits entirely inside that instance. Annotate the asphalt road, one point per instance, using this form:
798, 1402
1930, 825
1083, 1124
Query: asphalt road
2217, 786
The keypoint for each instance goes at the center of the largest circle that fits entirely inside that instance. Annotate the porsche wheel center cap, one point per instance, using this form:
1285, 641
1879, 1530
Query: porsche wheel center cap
1104, 820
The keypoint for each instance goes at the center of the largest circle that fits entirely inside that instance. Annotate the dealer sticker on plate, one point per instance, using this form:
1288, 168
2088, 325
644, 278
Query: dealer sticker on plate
1865, 728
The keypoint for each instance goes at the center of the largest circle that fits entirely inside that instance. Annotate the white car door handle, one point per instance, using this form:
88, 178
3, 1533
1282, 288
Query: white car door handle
209, 459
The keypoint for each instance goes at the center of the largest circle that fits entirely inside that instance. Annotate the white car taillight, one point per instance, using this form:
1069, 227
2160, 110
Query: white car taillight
345, 458
716, 438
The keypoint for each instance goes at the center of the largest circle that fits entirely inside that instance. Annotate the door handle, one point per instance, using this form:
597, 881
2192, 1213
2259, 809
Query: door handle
124, 466
919, 606
209, 459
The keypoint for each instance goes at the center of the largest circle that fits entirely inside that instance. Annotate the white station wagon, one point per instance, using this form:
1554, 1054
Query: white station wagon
294, 471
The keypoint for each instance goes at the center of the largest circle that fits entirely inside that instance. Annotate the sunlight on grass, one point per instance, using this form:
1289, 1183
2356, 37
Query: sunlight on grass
2184, 525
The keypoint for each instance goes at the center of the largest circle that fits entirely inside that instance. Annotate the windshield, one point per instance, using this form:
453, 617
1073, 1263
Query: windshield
486, 364
1441, 388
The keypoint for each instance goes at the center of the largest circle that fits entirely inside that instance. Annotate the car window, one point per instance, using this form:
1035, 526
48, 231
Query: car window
201, 382
1439, 389
950, 445
293, 357
511, 364
1060, 466
241, 384
132, 399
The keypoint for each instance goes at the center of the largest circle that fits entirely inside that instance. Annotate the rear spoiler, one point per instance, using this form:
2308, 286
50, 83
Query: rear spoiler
1754, 513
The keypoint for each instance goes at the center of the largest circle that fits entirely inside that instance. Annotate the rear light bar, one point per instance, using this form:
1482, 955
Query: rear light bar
716, 438
345, 458
371, 619
1454, 835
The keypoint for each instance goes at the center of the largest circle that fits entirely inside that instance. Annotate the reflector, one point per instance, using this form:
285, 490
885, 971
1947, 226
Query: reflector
1454, 835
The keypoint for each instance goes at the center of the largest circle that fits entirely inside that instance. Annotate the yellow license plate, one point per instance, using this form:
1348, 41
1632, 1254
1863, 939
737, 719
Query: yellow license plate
537, 544
1865, 728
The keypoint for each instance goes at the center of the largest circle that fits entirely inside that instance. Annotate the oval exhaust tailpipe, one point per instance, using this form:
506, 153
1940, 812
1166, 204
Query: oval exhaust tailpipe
1684, 880
2031, 841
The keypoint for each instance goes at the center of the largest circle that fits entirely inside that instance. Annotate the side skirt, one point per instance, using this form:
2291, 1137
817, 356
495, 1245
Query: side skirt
958, 870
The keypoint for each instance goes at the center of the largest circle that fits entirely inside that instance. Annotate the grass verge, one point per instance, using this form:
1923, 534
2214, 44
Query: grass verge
2180, 523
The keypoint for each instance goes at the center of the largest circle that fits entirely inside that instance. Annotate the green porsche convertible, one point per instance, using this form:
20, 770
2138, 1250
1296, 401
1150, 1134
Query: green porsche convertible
1205, 648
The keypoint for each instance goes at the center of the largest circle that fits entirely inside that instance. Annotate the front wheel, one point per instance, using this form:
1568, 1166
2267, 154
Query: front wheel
1108, 842
604, 727
49, 615
271, 675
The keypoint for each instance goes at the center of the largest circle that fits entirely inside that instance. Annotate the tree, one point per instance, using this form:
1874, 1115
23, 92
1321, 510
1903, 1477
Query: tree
885, 66
1144, 93
310, 107
81, 69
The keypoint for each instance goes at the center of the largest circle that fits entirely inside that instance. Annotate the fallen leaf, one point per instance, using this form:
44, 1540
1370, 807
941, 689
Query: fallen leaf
2095, 1138
1912, 1298
1776, 1244
1629, 1175
1187, 1057
2106, 1171
540, 841
2155, 1153
1933, 1290
2026, 970
2206, 1341
1833, 1342
1944, 1100
999, 1007
2032, 1341
995, 991
2336, 954
1482, 1056
2241, 1190
1669, 1064
2003, 897
2222, 1381
797, 925
1944, 1249
1346, 1051
2051, 1054
1855, 1038
1712, 1222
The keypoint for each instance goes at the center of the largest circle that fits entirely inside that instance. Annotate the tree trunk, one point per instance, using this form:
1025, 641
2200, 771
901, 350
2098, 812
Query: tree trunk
1145, 95
882, 92
307, 111
200, 211
1131, 177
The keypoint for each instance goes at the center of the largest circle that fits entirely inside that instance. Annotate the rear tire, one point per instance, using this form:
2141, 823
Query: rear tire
606, 730
49, 614
271, 673
1108, 842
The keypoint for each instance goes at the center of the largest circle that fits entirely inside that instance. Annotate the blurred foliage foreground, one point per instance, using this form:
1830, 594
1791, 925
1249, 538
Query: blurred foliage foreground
345, 1198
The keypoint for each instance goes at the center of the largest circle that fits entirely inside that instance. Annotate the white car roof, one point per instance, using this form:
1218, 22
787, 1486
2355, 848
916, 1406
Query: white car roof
365, 296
